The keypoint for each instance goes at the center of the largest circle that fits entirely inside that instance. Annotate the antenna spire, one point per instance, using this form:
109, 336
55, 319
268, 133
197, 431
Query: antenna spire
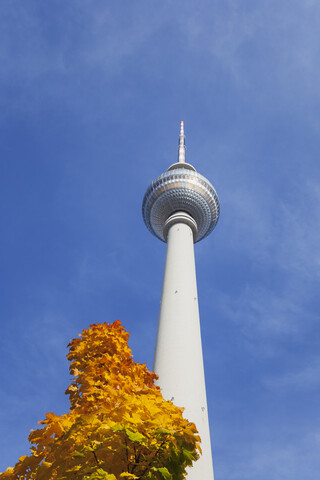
182, 144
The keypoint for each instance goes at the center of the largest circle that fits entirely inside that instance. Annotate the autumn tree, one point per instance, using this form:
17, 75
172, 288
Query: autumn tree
119, 426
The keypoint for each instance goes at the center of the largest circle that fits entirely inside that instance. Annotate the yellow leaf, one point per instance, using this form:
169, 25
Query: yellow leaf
117, 415
128, 475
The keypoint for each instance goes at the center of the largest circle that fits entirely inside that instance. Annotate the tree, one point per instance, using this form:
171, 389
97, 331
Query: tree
119, 426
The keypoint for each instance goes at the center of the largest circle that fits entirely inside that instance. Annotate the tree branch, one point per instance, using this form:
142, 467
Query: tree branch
149, 464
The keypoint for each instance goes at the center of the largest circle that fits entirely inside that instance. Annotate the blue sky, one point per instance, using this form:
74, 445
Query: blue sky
92, 93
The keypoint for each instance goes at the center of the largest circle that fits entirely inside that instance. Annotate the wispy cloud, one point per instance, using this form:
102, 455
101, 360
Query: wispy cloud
274, 38
280, 241
305, 378
297, 455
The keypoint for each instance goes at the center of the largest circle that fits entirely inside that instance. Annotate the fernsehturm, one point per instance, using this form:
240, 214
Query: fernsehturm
181, 207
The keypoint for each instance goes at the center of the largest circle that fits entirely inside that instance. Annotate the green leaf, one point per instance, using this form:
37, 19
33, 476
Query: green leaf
134, 436
77, 454
189, 455
165, 473
100, 474
117, 428
162, 431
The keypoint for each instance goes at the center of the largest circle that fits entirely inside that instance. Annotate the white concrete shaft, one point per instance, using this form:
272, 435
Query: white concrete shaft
178, 355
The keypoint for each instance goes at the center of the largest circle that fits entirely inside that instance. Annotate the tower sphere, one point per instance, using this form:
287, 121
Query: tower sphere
181, 189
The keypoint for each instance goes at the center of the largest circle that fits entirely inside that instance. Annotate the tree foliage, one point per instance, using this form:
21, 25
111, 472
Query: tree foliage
119, 426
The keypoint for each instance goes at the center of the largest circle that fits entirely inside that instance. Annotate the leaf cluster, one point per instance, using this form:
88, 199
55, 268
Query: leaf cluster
119, 426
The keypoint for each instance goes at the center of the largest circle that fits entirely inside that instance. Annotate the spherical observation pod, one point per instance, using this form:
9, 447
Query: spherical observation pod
181, 188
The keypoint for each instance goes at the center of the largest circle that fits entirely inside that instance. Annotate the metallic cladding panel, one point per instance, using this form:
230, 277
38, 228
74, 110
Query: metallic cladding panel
181, 190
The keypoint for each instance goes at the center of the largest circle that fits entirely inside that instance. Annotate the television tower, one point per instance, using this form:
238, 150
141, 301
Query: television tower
181, 207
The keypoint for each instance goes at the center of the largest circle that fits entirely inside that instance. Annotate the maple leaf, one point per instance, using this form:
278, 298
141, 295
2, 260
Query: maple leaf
119, 426
128, 475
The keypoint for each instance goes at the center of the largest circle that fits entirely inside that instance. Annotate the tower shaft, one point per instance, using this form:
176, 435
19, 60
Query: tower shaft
181, 207
178, 356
